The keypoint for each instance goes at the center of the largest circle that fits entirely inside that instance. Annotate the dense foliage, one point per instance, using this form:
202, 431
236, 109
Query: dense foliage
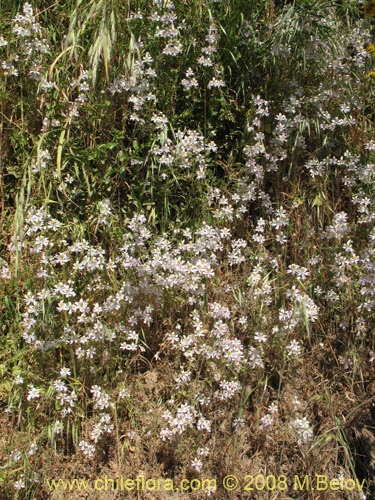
188, 240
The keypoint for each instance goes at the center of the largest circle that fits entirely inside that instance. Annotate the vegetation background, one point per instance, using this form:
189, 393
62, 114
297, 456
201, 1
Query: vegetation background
188, 243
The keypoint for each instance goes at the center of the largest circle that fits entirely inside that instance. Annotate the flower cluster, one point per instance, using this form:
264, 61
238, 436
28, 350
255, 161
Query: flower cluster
30, 46
183, 222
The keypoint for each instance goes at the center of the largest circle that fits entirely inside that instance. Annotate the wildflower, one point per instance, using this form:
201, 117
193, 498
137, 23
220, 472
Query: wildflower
87, 448
173, 49
203, 452
183, 378
302, 429
189, 81
218, 311
101, 399
58, 427
204, 424
298, 271
64, 289
197, 464
65, 372
33, 448
184, 419
339, 226
5, 270
267, 421
242, 321
212, 487
105, 211
255, 358
104, 426
215, 83
160, 121
33, 393
294, 348
9, 68
205, 61
260, 337
20, 484
228, 390
18, 380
